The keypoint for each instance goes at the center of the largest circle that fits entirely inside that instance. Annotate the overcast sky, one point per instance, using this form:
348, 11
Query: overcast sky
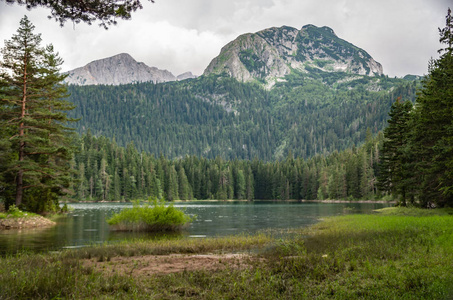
183, 35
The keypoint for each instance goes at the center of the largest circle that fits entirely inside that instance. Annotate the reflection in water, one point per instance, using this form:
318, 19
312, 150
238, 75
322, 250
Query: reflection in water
86, 224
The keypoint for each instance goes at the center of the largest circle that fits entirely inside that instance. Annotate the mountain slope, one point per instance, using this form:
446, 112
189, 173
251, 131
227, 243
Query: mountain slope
273, 53
326, 94
215, 116
115, 70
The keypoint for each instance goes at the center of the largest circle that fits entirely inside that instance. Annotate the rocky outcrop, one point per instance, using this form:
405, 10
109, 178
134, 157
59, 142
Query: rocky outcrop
115, 70
272, 53
186, 75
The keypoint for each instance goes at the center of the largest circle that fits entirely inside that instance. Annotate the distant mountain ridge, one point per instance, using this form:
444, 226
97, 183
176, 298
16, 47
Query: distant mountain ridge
270, 54
266, 56
120, 69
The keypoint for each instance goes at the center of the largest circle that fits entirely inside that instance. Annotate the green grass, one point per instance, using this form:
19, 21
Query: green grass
413, 211
14, 212
405, 254
62, 275
155, 217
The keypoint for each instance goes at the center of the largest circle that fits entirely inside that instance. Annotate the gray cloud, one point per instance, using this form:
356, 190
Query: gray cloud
181, 35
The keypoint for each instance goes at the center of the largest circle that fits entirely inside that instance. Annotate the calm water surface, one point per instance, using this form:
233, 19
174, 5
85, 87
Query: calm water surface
86, 224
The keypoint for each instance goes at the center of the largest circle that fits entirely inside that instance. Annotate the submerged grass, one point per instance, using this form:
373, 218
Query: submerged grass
350, 257
164, 247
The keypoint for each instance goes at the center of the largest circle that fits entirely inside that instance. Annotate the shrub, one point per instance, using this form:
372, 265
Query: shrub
155, 217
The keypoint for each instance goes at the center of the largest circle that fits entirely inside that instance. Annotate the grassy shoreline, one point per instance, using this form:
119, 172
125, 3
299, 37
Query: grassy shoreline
398, 254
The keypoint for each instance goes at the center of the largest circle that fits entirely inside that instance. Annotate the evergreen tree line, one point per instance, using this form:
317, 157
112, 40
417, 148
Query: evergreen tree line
417, 154
108, 172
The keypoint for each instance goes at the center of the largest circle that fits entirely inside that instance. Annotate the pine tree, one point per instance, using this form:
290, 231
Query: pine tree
240, 185
433, 133
81, 184
172, 191
185, 191
250, 185
33, 115
393, 158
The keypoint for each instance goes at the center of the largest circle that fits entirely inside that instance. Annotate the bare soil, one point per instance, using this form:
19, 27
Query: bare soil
164, 264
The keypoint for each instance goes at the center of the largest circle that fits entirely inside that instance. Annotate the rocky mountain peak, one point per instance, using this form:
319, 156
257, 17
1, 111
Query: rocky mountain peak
118, 69
270, 54
186, 75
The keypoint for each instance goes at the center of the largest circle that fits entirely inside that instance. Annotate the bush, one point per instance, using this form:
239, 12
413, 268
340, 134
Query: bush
155, 217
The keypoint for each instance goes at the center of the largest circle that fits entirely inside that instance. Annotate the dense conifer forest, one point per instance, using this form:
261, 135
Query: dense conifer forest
107, 172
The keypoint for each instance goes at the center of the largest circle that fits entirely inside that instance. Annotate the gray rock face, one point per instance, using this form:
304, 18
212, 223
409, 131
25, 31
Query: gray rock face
186, 75
270, 54
115, 70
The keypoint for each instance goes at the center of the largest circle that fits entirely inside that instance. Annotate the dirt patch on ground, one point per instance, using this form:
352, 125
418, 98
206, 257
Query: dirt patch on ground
164, 264
28, 222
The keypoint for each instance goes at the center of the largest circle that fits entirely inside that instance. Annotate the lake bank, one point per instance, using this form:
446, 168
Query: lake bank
384, 256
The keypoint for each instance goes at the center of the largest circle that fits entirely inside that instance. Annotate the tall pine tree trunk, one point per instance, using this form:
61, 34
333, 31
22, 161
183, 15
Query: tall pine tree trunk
20, 173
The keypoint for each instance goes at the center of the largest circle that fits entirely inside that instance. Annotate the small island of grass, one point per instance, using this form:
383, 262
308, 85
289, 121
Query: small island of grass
153, 217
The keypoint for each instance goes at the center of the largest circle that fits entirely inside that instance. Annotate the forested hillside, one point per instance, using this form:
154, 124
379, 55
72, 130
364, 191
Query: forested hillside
306, 114
107, 172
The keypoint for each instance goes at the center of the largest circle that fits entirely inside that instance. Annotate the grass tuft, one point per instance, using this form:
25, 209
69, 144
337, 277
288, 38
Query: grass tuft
152, 218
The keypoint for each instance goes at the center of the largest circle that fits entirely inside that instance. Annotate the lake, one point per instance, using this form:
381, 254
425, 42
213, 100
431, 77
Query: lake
86, 224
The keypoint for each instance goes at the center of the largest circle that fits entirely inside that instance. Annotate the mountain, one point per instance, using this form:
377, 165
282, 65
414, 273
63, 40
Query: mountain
271, 54
326, 95
118, 69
